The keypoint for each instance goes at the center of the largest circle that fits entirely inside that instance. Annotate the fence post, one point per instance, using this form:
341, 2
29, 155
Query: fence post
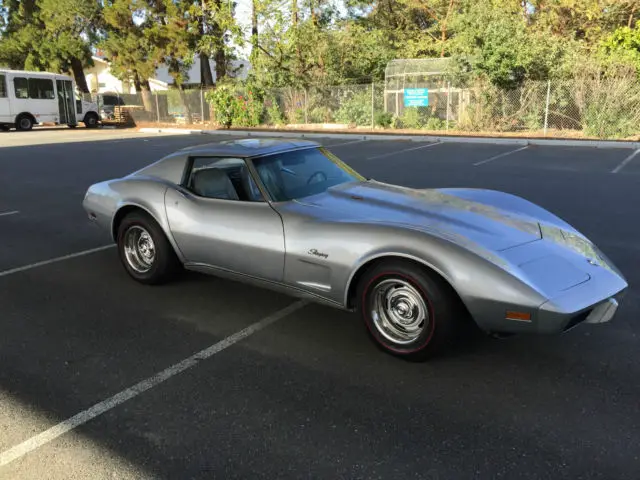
201, 105
372, 105
157, 107
546, 109
448, 102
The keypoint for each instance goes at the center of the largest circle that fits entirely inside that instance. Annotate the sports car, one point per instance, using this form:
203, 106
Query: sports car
414, 264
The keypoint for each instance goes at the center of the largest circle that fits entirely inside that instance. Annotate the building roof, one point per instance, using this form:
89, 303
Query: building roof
249, 147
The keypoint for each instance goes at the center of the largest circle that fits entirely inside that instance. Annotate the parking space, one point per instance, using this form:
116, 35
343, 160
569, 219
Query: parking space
572, 159
307, 393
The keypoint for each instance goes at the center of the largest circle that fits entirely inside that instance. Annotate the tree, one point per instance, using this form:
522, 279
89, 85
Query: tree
133, 55
496, 42
622, 47
71, 27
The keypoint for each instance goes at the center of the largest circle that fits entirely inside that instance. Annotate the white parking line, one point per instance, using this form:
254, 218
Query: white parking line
54, 260
405, 150
346, 143
6, 214
501, 155
625, 162
83, 417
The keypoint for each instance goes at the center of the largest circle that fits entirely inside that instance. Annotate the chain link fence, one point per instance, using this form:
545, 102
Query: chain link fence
582, 107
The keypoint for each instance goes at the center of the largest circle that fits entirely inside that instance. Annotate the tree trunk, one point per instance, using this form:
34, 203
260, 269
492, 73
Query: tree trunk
294, 12
314, 16
206, 77
185, 104
254, 19
221, 64
78, 74
145, 91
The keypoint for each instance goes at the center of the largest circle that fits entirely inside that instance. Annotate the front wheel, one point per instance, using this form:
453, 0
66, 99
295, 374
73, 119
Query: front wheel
145, 251
409, 312
91, 120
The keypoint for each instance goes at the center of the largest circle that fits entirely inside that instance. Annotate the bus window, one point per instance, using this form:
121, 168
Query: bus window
21, 87
41, 89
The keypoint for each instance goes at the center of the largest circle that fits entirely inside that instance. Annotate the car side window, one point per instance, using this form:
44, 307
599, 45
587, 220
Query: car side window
3, 86
222, 178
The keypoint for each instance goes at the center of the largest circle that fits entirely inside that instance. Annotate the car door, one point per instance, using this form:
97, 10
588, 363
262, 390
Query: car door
218, 218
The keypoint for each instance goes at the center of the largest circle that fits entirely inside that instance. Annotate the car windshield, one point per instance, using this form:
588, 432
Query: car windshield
302, 173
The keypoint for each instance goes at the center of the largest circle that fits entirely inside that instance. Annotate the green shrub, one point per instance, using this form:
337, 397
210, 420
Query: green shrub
383, 119
435, 123
233, 108
224, 104
356, 109
411, 118
273, 113
608, 122
321, 114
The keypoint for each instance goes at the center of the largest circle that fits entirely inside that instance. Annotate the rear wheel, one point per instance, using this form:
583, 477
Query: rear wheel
145, 251
409, 312
24, 123
91, 120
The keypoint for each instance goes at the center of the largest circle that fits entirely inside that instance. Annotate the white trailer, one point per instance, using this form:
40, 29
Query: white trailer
28, 98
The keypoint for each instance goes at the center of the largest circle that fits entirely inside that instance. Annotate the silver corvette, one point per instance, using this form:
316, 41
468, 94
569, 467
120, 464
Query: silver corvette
415, 264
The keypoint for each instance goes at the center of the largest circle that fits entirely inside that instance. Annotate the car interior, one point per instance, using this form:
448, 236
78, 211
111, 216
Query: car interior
226, 182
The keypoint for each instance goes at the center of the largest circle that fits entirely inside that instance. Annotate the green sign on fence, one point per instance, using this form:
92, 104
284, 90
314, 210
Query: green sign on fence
416, 97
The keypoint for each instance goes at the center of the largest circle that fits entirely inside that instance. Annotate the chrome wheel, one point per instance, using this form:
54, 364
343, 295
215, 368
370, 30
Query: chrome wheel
398, 311
139, 249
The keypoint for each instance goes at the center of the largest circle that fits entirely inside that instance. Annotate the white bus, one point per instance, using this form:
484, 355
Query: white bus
29, 98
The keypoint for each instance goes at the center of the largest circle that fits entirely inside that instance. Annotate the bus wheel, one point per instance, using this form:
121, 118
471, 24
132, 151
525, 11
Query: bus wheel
24, 123
91, 120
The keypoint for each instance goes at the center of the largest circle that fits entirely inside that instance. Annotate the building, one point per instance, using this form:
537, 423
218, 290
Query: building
101, 80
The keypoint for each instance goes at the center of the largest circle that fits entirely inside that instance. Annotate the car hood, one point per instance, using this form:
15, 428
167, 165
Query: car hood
495, 220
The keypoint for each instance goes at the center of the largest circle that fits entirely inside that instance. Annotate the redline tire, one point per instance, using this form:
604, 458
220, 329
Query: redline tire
408, 311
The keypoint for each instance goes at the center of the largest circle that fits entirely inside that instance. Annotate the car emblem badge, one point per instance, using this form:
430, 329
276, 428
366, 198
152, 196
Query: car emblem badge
315, 252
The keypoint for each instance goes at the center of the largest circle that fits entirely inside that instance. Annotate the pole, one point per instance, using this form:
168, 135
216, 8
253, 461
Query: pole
546, 110
157, 108
448, 102
372, 105
201, 106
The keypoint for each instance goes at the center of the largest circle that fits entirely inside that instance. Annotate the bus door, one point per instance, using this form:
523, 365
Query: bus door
5, 110
66, 102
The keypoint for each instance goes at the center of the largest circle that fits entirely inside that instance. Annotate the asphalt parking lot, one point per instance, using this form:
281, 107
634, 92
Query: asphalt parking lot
308, 395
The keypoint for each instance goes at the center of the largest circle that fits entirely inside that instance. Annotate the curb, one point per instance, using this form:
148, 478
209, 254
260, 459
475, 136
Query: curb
412, 138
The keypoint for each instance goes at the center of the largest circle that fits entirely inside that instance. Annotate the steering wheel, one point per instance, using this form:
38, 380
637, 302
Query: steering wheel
317, 174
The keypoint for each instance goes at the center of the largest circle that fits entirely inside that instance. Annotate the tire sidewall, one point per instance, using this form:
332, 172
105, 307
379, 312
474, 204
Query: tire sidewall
426, 335
160, 264
19, 125
91, 120
440, 306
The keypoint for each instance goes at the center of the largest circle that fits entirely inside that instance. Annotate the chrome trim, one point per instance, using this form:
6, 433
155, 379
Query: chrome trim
139, 249
398, 311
